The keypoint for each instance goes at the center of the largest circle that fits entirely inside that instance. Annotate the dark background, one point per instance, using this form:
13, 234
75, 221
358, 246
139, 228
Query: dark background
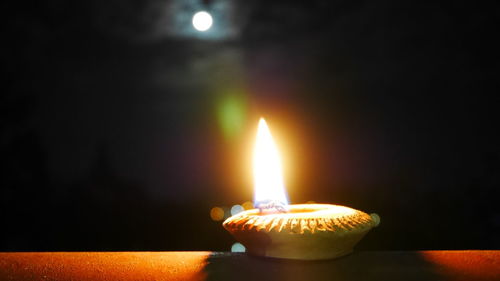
122, 126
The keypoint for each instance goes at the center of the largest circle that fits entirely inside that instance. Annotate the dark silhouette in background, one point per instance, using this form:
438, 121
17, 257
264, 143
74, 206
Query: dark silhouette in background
121, 127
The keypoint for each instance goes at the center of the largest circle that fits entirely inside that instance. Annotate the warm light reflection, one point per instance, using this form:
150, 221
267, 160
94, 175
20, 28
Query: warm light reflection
217, 214
247, 205
470, 265
96, 266
267, 169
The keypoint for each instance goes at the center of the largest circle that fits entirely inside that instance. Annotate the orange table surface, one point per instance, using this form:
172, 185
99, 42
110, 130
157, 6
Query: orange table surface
421, 265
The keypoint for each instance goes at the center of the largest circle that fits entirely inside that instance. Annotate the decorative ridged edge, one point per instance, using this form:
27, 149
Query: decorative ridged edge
323, 221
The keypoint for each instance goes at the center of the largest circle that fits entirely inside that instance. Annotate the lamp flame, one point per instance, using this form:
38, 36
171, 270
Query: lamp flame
269, 189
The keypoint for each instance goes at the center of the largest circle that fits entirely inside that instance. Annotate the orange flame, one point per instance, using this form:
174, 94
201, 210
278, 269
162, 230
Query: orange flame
267, 169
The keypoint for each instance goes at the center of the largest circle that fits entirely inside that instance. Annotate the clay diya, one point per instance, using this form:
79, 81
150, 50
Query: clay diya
301, 231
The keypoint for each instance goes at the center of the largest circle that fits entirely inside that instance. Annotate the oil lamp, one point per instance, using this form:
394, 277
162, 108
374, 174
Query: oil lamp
298, 231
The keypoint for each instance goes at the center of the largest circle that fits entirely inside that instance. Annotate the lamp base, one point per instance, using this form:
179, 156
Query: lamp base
305, 232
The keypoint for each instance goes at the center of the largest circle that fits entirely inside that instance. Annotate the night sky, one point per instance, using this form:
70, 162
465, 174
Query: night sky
121, 126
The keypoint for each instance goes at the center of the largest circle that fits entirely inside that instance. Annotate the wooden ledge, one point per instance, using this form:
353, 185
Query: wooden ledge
423, 265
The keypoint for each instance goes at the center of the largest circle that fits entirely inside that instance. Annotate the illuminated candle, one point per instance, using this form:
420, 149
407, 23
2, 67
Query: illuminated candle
299, 231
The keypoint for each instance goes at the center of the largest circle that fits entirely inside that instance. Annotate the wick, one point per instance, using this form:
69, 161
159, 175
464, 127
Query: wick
271, 207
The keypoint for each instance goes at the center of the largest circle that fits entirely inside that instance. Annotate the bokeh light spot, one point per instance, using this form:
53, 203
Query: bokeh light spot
247, 205
216, 213
238, 248
236, 209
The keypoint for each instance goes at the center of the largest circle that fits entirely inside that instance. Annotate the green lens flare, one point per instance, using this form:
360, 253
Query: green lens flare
232, 114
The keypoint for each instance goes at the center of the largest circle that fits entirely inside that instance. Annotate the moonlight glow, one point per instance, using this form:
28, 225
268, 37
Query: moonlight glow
202, 21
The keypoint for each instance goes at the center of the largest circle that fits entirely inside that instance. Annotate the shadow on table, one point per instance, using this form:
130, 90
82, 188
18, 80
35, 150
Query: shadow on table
357, 266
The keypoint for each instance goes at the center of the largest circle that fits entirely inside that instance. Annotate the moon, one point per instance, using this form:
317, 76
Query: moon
202, 21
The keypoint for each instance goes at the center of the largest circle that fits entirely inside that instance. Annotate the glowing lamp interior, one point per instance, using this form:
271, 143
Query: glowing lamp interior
267, 170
